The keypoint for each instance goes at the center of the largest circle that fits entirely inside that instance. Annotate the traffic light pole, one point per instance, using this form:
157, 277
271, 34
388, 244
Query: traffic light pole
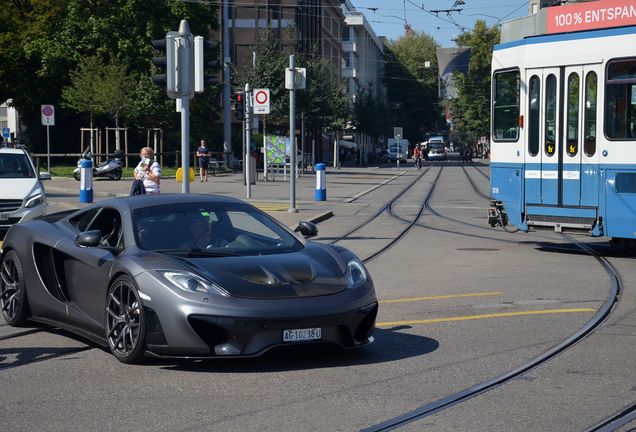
185, 147
248, 162
292, 136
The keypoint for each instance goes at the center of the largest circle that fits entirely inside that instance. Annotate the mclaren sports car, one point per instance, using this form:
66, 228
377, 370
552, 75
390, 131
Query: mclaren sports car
184, 276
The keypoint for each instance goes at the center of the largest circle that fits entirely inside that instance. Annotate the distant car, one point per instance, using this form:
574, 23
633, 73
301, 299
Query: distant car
22, 195
437, 149
184, 275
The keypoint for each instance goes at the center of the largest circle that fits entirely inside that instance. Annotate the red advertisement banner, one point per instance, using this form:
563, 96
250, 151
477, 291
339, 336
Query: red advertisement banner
592, 15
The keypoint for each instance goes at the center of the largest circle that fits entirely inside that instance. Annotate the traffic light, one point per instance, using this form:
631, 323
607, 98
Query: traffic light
239, 106
167, 63
204, 59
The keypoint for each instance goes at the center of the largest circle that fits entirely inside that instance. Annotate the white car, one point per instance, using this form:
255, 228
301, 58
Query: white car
22, 195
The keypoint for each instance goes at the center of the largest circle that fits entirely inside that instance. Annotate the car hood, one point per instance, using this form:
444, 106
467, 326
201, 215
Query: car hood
313, 271
17, 188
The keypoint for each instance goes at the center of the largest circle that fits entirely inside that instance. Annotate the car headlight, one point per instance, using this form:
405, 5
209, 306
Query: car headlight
356, 275
34, 200
193, 283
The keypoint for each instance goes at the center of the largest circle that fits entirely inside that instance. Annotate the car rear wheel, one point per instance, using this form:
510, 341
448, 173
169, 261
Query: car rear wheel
125, 326
13, 300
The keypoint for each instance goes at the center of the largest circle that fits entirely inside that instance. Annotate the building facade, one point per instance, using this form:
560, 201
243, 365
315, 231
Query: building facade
9, 118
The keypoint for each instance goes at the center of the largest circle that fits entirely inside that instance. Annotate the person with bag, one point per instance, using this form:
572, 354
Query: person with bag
148, 171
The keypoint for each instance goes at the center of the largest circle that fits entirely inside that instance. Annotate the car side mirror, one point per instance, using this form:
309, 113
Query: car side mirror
307, 229
45, 176
89, 238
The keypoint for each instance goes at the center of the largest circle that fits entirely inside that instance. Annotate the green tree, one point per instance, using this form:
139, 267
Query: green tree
411, 86
371, 115
45, 40
324, 101
268, 71
83, 94
471, 109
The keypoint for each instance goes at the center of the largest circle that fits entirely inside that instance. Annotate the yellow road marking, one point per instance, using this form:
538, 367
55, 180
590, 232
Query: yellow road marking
484, 316
442, 297
272, 207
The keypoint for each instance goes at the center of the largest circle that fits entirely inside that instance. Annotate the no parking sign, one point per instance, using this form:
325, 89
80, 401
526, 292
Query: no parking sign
261, 101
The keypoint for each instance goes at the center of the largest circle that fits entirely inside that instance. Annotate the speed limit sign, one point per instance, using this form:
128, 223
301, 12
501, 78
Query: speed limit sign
261, 101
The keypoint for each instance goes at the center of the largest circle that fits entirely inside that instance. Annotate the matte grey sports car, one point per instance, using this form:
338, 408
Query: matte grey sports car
193, 276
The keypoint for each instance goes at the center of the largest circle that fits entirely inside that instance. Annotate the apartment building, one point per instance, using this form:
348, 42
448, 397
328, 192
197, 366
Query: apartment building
9, 118
363, 54
305, 23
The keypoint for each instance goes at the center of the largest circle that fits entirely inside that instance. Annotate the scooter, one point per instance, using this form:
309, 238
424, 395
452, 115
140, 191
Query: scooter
112, 168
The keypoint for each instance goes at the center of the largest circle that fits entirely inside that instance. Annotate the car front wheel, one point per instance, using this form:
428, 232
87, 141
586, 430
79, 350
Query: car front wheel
13, 300
125, 326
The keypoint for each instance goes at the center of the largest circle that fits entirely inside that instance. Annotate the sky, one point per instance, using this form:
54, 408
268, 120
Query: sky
387, 17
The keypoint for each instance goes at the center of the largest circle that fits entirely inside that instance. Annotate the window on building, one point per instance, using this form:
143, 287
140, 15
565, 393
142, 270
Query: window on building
589, 120
620, 100
534, 109
506, 88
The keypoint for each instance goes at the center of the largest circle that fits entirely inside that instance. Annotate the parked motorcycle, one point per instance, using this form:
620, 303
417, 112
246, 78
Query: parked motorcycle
112, 168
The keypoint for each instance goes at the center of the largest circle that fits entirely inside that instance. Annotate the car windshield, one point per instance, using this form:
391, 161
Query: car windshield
210, 229
14, 165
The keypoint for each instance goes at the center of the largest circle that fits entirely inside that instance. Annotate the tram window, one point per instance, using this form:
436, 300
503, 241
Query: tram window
550, 114
506, 106
573, 114
620, 100
533, 115
589, 125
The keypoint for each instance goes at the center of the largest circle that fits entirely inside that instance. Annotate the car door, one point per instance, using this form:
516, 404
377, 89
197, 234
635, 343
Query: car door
87, 270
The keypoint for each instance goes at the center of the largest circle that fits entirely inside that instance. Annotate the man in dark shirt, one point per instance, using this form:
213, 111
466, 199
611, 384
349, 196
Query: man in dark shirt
203, 153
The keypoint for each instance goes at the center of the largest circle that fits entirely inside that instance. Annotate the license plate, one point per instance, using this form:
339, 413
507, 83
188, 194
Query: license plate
300, 335
4, 216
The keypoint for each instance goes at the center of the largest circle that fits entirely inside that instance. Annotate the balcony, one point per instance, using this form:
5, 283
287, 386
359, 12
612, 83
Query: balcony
349, 47
350, 72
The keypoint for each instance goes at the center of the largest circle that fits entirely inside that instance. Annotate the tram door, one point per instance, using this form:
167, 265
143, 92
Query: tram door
542, 137
578, 186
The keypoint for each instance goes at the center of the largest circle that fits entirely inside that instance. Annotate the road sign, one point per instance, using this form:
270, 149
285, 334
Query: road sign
261, 101
397, 132
6, 133
48, 115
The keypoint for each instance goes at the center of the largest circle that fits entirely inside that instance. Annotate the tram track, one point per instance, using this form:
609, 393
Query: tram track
387, 207
624, 416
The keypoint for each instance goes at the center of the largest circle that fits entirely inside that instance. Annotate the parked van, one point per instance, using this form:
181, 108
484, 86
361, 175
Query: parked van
397, 149
22, 195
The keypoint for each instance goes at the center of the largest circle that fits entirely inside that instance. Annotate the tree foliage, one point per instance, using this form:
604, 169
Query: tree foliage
471, 109
371, 115
42, 43
268, 71
411, 86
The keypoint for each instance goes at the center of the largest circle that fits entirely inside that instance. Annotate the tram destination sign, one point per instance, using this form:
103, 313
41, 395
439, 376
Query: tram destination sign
590, 15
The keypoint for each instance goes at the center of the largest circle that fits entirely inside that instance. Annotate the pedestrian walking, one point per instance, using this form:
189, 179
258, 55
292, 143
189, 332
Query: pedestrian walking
148, 171
417, 156
203, 153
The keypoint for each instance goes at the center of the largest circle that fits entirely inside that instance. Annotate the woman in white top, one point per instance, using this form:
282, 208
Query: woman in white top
149, 171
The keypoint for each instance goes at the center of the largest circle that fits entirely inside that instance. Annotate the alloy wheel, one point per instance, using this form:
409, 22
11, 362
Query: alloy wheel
124, 325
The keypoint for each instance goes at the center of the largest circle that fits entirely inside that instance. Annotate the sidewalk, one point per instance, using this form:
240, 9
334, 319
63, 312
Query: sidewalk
343, 186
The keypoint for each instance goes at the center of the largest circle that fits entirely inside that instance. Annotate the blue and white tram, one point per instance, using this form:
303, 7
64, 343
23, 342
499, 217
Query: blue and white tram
563, 132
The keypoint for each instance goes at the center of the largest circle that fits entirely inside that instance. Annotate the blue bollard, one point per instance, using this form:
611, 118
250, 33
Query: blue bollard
321, 182
86, 181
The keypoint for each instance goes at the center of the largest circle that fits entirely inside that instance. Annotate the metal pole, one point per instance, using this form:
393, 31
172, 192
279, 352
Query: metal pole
302, 138
185, 148
397, 141
247, 163
48, 151
265, 173
227, 115
292, 136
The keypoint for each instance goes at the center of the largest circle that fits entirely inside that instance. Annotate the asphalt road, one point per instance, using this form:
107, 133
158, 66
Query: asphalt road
460, 303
